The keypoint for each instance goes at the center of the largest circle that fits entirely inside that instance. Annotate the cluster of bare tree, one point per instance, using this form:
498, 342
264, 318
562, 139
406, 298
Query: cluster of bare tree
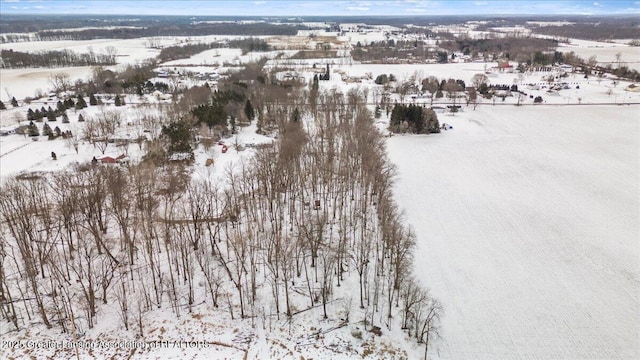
520, 49
392, 52
185, 51
300, 219
55, 58
614, 28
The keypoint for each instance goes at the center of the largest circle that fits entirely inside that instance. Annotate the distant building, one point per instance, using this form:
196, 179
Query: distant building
7, 131
504, 65
111, 160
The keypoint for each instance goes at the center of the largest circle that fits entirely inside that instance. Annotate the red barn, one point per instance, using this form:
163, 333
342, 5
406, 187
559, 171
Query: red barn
111, 160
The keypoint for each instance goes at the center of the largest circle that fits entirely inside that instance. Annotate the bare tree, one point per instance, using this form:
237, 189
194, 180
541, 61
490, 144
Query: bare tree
111, 54
20, 206
429, 323
430, 85
60, 82
101, 129
73, 140
473, 98
479, 79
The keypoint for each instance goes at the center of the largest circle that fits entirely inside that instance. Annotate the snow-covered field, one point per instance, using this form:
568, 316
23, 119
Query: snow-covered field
527, 224
604, 52
220, 56
130, 51
26, 82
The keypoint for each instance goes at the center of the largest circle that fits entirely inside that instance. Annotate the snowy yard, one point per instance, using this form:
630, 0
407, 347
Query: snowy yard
527, 225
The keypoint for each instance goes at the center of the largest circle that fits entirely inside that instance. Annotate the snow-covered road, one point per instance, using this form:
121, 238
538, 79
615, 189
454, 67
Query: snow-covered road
528, 225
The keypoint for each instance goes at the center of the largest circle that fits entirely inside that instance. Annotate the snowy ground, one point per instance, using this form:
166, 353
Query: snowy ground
130, 51
527, 224
26, 82
217, 57
605, 52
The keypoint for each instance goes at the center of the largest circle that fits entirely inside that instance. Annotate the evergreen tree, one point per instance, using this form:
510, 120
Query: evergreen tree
37, 115
248, 110
33, 129
178, 135
92, 100
31, 115
51, 115
80, 118
69, 103
65, 118
57, 132
414, 119
81, 103
2, 106
46, 131
211, 114
382, 79
60, 108
14, 102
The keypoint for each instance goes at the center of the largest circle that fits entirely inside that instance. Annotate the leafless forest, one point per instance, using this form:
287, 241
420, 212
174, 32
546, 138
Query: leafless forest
275, 238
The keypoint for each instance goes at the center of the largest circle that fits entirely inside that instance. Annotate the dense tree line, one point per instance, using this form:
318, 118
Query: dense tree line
55, 58
391, 51
188, 50
133, 79
515, 48
622, 71
600, 31
251, 29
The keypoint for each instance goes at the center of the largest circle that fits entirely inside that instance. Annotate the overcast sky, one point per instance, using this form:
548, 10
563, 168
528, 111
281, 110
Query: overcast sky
318, 7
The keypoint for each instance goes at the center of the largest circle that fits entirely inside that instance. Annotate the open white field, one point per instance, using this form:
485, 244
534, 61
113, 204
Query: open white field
26, 82
129, 51
528, 224
605, 52
221, 56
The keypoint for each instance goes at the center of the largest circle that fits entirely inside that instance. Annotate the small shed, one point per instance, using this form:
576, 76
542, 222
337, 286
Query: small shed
110, 159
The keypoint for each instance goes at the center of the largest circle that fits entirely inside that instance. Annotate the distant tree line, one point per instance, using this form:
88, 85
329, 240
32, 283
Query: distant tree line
185, 51
520, 49
601, 31
54, 58
590, 66
390, 51
255, 29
